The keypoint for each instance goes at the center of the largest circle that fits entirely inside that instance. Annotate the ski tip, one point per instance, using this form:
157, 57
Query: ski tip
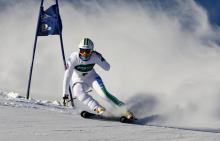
84, 114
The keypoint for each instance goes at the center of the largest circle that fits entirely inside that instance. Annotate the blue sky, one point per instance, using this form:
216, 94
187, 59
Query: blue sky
212, 7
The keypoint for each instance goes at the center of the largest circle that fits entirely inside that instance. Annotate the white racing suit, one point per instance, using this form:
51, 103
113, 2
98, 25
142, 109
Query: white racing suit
80, 75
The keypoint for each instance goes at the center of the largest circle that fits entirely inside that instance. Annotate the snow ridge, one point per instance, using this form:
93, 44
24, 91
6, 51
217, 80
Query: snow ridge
13, 99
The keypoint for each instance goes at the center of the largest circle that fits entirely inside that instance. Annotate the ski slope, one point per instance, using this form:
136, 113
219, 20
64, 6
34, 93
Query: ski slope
25, 120
164, 60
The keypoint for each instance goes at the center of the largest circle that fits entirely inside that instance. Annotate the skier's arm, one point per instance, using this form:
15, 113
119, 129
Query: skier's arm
101, 61
67, 77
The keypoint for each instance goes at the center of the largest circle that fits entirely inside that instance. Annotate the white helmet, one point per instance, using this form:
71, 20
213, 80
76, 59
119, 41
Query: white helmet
86, 43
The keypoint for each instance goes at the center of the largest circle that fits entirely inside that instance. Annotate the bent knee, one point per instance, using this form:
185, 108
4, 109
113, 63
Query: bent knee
83, 97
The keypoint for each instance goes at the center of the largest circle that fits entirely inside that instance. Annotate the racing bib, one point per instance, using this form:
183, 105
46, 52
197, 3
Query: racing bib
84, 68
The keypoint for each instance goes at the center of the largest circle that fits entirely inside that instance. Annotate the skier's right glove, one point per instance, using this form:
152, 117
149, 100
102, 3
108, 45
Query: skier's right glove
65, 100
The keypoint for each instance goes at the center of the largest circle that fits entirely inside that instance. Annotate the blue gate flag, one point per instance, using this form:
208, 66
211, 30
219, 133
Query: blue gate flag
50, 22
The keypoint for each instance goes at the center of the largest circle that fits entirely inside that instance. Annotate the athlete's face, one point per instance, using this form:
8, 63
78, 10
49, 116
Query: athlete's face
85, 52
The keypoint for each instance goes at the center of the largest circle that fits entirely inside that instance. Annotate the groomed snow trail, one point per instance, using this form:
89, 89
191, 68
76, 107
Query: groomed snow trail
35, 120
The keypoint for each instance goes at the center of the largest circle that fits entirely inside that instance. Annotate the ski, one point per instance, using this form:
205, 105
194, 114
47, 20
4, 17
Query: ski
122, 119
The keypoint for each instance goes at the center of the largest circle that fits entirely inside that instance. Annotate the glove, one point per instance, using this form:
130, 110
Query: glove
65, 99
66, 96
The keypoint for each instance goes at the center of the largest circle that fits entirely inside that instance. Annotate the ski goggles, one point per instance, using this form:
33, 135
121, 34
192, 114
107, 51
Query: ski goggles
85, 51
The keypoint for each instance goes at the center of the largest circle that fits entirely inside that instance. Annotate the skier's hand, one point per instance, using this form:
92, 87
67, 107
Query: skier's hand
65, 100
66, 96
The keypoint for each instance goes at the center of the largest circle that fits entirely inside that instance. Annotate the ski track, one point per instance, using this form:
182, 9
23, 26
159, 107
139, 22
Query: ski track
33, 119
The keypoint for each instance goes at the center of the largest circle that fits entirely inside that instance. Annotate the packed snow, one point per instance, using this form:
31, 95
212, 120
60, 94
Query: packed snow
164, 60
35, 120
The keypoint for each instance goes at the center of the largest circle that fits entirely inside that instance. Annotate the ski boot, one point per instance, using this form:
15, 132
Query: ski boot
99, 110
129, 115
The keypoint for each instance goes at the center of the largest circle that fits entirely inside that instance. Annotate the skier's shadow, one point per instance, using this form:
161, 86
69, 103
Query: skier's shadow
146, 120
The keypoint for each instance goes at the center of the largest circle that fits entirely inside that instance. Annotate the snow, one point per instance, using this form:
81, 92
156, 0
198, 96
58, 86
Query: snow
35, 120
170, 75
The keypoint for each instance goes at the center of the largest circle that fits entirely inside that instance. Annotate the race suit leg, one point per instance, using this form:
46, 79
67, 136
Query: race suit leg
82, 95
99, 87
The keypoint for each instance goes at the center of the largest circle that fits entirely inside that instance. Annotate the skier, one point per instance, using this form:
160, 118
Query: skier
79, 69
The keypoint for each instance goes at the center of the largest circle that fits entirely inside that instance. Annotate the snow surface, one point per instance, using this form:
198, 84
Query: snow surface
37, 120
165, 67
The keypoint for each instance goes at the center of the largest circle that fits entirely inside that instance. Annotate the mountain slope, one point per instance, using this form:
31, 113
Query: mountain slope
35, 120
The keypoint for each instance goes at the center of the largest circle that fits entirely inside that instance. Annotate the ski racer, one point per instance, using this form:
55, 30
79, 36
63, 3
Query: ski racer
81, 76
